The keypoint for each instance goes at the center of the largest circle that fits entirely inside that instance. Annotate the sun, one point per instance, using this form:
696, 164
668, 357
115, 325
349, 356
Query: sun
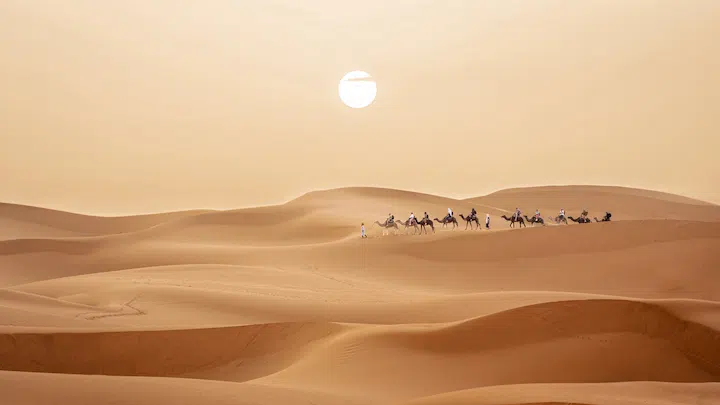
357, 89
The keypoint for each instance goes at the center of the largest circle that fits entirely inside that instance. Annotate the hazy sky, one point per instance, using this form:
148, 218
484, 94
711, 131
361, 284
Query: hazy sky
132, 106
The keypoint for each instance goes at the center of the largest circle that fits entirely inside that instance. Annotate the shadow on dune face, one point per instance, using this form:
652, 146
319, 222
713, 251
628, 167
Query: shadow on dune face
632, 332
587, 319
161, 352
561, 342
622, 393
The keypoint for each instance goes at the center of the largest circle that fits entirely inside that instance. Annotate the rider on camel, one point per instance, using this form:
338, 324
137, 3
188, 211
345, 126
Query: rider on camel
473, 214
390, 220
411, 219
449, 215
584, 214
537, 214
426, 218
562, 213
516, 215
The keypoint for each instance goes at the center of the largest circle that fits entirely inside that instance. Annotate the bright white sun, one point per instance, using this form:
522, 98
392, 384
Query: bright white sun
357, 89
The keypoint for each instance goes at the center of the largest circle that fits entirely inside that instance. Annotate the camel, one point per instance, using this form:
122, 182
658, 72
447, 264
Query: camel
534, 220
513, 220
606, 218
426, 222
387, 226
469, 221
580, 220
446, 221
409, 224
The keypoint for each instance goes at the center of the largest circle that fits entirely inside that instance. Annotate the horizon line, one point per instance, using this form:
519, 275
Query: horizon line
415, 191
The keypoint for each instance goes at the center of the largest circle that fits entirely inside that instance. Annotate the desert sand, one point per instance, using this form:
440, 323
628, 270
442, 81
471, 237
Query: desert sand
288, 305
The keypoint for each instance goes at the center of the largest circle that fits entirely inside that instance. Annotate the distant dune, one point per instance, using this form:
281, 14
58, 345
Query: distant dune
287, 304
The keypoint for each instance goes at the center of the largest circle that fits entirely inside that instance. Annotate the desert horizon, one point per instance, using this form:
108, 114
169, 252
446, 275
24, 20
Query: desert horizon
595, 187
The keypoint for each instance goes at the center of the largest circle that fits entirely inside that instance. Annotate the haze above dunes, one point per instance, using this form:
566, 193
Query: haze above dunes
132, 106
287, 304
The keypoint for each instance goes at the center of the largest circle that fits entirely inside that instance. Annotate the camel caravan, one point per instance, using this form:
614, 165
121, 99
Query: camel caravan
473, 222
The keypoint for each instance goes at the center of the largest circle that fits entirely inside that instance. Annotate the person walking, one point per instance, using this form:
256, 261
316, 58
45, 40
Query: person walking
362, 230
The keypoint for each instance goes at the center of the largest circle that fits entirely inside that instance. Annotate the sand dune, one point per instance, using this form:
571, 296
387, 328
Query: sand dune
614, 393
21, 221
624, 203
286, 304
565, 340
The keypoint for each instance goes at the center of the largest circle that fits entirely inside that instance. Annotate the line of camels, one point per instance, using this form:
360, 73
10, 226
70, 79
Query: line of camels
420, 225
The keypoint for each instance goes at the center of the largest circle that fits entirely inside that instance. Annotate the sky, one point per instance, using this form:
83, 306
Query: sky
120, 107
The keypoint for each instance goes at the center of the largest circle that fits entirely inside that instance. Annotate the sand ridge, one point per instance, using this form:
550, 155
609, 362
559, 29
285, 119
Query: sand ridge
287, 303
